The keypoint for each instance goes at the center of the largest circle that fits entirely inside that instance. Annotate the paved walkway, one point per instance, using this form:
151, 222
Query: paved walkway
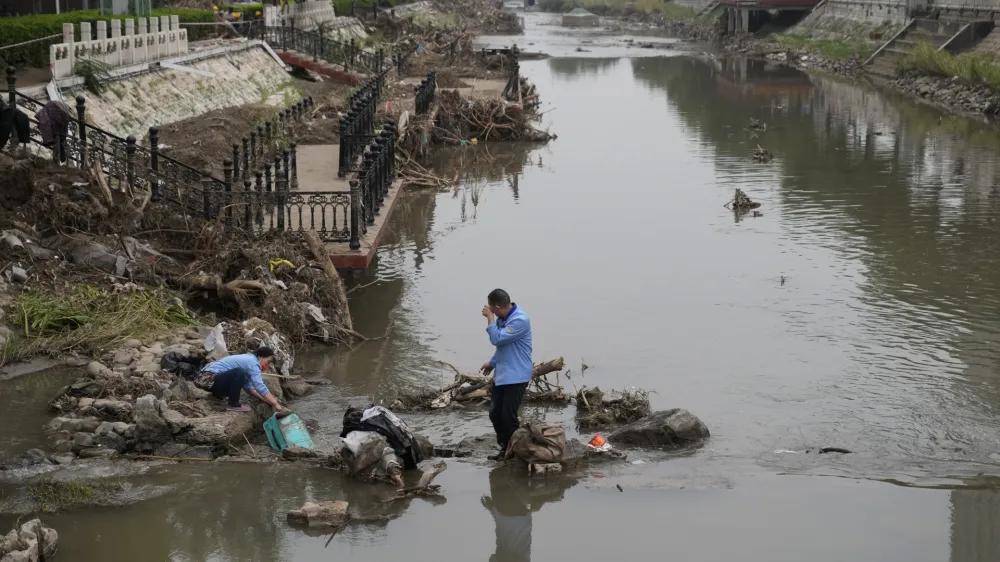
317, 169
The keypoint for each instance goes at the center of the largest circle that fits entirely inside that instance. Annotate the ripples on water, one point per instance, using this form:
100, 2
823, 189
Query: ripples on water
859, 311
877, 215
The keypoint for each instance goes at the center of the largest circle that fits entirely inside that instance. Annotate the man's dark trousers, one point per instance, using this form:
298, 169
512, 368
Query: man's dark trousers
229, 384
506, 401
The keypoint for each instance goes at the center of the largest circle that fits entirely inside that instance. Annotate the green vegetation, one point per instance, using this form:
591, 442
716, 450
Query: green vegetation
975, 69
54, 495
90, 320
27, 28
669, 10
96, 74
246, 11
830, 49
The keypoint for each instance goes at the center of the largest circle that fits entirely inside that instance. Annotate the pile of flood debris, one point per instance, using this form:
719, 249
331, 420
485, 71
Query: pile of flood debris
144, 404
461, 120
88, 265
475, 390
741, 202
599, 410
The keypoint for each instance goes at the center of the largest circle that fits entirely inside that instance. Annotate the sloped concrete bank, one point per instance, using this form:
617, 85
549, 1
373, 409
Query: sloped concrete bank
131, 106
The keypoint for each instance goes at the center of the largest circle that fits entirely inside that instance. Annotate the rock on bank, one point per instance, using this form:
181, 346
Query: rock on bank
32, 542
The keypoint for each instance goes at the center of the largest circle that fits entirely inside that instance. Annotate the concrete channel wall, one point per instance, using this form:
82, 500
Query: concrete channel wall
130, 106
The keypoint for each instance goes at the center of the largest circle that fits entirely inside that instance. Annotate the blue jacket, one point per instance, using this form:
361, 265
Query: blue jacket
247, 363
512, 359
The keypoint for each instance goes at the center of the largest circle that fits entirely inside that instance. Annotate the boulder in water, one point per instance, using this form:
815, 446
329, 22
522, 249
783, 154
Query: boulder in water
665, 429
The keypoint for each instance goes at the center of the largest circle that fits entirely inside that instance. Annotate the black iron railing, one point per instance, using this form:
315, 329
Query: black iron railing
357, 125
424, 93
257, 192
318, 46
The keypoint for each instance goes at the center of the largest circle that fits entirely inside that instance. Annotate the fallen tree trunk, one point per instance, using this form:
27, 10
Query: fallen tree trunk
214, 283
336, 286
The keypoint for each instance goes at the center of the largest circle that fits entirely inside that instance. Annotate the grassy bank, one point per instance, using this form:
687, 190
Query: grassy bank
831, 49
28, 28
88, 320
975, 69
669, 10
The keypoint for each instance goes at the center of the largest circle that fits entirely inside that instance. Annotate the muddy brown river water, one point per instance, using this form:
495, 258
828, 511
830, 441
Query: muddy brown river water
860, 311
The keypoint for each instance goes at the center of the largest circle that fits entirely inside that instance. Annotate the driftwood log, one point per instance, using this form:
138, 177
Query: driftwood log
476, 387
335, 284
424, 486
214, 283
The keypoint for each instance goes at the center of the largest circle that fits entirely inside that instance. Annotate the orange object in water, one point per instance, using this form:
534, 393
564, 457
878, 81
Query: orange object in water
598, 441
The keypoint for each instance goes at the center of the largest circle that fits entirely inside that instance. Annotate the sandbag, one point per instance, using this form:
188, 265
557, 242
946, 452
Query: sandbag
362, 449
539, 443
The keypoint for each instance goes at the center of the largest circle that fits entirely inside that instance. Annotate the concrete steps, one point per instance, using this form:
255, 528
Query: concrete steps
932, 32
713, 4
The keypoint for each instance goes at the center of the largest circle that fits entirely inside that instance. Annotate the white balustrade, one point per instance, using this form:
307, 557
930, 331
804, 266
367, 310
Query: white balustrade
163, 39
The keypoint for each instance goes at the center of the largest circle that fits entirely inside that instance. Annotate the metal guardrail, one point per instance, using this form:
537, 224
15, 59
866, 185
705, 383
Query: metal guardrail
424, 93
257, 191
316, 45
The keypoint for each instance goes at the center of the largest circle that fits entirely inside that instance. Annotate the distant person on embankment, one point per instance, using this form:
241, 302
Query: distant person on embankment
226, 377
509, 330
14, 126
53, 124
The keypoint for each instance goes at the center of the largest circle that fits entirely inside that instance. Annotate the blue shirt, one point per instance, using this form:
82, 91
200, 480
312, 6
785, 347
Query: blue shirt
512, 359
246, 362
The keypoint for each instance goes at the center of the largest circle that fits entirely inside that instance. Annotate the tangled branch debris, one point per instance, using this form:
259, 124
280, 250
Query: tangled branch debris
741, 203
762, 155
595, 410
757, 126
462, 120
476, 389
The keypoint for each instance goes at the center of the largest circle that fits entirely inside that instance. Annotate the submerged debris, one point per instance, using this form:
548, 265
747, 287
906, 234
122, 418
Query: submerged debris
741, 203
762, 155
596, 410
756, 125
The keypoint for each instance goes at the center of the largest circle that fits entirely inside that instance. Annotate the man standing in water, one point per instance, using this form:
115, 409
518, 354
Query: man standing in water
509, 330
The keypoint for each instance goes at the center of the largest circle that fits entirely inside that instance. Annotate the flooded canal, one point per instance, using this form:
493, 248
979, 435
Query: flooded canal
860, 311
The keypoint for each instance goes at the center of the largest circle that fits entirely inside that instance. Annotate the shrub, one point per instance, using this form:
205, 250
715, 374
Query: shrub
974, 69
246, 11
27, 28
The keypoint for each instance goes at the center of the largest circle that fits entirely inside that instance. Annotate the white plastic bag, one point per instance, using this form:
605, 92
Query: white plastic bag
215, 342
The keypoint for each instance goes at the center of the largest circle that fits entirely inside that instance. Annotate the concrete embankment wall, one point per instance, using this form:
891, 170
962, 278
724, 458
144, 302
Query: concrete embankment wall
867, 15
866, 19
131, 106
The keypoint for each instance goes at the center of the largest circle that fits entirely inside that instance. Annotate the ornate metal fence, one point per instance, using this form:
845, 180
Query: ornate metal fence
316, 45
424, 93
357, 126
257, 192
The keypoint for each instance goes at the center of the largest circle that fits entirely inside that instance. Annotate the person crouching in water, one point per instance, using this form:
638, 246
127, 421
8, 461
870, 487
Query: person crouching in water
226, 377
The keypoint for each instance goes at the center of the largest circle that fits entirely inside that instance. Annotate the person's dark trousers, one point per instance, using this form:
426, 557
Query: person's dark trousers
228, 385
506, 401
